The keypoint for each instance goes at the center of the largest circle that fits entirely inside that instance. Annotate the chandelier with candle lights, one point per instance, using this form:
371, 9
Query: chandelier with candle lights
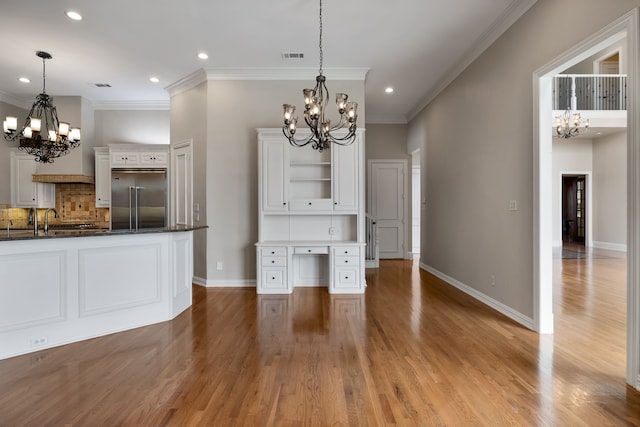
315, 101
42, 135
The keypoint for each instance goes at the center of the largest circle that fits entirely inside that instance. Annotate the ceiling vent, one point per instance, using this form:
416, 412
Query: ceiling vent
103, 85
292, 55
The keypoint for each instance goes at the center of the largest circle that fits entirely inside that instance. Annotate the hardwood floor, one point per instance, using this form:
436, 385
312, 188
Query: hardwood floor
413, 351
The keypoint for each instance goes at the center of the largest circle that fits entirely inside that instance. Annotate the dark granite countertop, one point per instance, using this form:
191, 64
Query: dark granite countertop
22, 234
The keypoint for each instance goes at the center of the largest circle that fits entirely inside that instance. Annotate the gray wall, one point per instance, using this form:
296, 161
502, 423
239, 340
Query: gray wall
610, 191
386, 141
188, 122
477, 152
132, 127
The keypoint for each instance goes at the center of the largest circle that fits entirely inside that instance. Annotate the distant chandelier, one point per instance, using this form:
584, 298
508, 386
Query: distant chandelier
42, 135
569, 123
315, 101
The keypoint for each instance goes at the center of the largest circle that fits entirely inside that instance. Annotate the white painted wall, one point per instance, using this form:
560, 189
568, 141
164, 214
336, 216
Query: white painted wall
610, 191
476, 139
569, 156
132, 127
5, 148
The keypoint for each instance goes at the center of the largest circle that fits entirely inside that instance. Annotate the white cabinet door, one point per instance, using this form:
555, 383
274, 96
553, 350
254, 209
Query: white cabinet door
121, 158
153, 159
274, 175
345, 167
24, 192
103, 180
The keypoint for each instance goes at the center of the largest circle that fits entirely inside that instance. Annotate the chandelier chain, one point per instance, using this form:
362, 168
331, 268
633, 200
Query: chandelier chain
320, 43
44, 78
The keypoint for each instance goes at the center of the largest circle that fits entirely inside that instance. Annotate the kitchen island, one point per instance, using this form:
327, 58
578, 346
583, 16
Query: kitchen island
68, 286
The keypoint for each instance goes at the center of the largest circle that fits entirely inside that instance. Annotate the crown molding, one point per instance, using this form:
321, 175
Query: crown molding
217, 74
187, 82
512, 13
307, 73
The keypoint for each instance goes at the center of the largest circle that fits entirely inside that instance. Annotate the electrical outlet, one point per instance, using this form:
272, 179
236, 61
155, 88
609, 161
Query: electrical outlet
219, 265
513, 205
332, 231
37, 342
492, 279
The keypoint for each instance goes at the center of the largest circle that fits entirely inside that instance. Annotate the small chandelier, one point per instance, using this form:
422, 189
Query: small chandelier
315, 101
42, 135
568, 124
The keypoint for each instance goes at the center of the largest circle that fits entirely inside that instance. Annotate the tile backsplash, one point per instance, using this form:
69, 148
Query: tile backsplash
75, 203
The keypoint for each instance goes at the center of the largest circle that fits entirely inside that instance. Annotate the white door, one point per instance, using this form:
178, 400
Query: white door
387, 204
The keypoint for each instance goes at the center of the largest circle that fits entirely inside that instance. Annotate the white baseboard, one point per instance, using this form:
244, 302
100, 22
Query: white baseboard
556, 243
249, 283
496, 305
371, 263
199, 281
620, 247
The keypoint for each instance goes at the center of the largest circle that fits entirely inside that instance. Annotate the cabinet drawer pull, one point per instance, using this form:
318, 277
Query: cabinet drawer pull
308, 250
273, 262
346, 252
273, 278
309, 203
346, 261
273, 252
335, 203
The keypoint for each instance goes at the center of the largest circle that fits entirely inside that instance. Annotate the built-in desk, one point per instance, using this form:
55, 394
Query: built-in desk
284, 265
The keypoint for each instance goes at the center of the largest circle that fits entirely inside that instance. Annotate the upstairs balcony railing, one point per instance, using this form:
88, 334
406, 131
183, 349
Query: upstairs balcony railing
592, 91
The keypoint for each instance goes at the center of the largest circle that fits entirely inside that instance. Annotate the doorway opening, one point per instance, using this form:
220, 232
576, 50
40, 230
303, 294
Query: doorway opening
574, 210
625, 28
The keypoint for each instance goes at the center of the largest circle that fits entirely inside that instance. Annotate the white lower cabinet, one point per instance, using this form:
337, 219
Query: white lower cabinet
272, 270
347, 265
283, 267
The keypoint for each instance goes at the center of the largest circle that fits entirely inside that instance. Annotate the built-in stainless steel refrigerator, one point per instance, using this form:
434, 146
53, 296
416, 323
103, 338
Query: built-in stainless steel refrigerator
138, 199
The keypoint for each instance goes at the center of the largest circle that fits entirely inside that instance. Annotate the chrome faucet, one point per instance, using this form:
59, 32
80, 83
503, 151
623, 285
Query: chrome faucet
9, 224
46, 218
33, 219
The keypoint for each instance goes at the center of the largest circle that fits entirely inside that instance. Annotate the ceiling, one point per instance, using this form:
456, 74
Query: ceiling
415, 46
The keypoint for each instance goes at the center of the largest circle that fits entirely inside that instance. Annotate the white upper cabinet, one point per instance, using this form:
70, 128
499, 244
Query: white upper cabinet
123, 158
274, 173
139, 156
345, 176
24, 192
159, 158
103, 178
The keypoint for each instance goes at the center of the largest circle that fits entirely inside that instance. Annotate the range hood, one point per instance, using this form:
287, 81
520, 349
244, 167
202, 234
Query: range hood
63, 178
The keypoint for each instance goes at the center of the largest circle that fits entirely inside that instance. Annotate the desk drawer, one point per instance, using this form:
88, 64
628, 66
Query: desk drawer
274, 251
310, 205
309, 250
346, 260
274, 278
274, 261
346, 250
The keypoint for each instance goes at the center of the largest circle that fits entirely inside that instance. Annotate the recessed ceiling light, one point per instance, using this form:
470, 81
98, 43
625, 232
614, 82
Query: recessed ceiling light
154, 79
72, 14
24, 80
203, 55
389, 89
